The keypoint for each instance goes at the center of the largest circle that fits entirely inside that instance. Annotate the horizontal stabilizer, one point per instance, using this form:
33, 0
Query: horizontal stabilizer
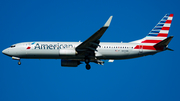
165, 42
169, 49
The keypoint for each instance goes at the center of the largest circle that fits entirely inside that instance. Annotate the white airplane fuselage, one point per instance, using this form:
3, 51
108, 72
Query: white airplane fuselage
52, 50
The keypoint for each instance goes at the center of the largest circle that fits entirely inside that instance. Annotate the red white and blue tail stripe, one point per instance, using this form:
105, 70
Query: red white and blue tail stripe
157, 34
162, 28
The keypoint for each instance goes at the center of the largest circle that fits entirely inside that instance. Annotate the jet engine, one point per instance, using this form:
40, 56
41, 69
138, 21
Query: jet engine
69, 63
67, 52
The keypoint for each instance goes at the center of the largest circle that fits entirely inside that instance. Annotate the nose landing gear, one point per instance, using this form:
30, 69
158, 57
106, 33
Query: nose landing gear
17, 58
19, 63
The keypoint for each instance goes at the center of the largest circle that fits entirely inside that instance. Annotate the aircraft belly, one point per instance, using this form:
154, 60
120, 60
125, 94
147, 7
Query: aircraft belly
42, 54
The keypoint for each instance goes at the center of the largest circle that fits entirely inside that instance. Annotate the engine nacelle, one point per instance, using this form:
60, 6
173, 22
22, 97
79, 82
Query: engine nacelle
67, 52
69, 63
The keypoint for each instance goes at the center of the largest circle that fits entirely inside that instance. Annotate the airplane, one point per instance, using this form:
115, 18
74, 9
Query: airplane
73, 54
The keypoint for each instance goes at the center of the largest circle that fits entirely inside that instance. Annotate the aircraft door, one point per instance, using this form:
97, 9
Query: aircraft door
140, 49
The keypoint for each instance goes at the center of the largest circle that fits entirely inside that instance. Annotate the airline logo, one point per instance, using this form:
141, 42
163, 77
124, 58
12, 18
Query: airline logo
50, 46
29, 47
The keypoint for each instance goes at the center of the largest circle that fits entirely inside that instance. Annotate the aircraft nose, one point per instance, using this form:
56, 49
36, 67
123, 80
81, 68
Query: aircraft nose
5, 51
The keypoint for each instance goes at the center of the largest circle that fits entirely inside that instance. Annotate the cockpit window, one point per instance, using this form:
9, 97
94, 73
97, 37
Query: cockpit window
12, 46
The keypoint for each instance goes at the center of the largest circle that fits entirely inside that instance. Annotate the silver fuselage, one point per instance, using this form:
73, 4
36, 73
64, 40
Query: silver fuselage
52, 50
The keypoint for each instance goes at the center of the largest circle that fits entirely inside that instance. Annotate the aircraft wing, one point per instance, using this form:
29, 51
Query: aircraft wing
89, 46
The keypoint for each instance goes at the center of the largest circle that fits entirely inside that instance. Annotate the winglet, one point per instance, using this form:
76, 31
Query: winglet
108, 22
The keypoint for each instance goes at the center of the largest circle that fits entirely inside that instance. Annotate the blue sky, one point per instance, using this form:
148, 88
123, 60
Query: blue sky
142, 79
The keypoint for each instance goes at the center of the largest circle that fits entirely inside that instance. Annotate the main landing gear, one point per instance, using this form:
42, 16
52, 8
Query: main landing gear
87, 60
88, 67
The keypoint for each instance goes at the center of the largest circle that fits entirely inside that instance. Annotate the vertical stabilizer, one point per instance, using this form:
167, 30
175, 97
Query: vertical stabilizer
158, 33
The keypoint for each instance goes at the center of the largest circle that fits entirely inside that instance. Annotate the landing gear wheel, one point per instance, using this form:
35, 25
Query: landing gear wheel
88, 67
19, 63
